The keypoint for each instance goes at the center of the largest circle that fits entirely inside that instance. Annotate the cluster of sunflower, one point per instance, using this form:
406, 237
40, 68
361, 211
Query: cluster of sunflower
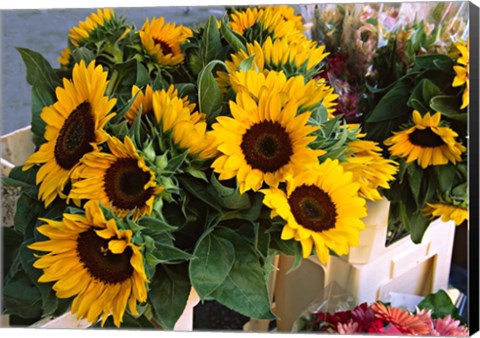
169, 158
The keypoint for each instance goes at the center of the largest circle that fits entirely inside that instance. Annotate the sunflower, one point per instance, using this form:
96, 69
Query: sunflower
85, 29
145, 99
74, 127
64, 58
426, 142
302, 57
162, 41
91, 259
120, 179
321, 208
369, 168
307, 95
188, 130
447, 212
402, 320
259, 23
288, 14
461, 71
263, 142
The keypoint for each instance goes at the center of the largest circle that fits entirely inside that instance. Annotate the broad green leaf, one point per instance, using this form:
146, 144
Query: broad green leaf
49, 300
449, 106
155, 224
175, 162
440, 304
42, 97
418, 225
229, 197
209, 95
415, 181
11, 241
21, 297
393, 104
236, 41
244, 289
247, 64
28, 176
39, 71
430, 90
129, 322
83, 53
211, 40
436, 61
444, 176
28, 210
214, 257
418, 105
199, 190
169, 291
164, 253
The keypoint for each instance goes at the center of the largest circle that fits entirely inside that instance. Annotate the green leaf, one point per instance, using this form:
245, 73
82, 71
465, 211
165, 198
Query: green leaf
214, 259
39, 71
129, 322
49, 300
11, 241
429, 90
247, 64
444, 176
229, 197
436, 62
209, 95
175, 162
164, 253
440, 304
155, 224
244, 289
28, 210
169, 291
211, 40
415, 179
418, 105
42, 97
200, 191
393, 104
418, 225
83, 53
237, 42
21, 297
449, 106
17, 176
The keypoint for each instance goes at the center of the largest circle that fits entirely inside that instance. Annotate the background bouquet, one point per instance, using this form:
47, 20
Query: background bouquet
401, 71
171, 158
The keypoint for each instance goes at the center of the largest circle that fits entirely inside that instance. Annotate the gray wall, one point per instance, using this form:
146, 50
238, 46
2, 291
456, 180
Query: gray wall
45, 31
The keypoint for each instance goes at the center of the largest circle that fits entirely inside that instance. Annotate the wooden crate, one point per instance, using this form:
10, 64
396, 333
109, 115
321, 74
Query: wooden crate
405, 267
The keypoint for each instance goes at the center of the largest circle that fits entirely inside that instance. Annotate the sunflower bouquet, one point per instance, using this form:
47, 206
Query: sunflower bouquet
401, 72
170, 158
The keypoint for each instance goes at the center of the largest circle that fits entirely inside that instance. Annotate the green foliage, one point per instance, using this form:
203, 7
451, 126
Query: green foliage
426, 88
440, 304
168, 294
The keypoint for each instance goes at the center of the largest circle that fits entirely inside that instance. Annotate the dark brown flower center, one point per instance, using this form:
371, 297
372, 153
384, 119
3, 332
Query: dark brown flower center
102, 264
75, 137
267, 146
425, 138
313, 208
124, 184
166, 49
